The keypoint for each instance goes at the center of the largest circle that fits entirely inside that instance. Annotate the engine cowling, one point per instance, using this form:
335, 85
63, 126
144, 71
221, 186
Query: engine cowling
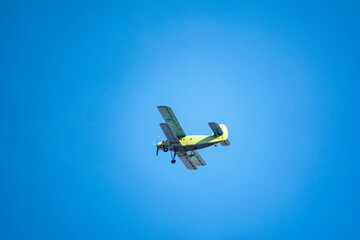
164, 146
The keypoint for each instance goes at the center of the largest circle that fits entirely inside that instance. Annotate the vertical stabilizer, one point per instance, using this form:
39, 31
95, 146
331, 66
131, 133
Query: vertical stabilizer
216, 129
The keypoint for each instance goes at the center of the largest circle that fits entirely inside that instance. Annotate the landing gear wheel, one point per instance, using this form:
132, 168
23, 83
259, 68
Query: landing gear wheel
173, 161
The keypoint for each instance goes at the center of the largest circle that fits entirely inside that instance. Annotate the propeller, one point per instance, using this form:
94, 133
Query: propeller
157, 149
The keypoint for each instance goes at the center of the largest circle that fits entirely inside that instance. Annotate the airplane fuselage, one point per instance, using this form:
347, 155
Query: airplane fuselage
193, 142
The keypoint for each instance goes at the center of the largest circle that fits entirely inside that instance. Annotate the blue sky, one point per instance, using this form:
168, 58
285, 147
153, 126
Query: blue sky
80, 82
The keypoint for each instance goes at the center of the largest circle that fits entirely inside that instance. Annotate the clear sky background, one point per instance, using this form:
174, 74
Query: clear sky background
79, 86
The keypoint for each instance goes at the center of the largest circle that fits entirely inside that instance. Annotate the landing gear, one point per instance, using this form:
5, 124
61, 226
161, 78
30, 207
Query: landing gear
173, 158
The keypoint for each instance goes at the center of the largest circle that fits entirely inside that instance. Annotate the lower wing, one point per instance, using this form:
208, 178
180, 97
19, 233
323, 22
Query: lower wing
191, 159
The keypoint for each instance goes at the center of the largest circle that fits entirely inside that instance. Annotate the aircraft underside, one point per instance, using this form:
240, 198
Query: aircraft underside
187, 148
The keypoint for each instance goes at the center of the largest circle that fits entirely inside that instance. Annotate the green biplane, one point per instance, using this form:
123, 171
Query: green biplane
185, 146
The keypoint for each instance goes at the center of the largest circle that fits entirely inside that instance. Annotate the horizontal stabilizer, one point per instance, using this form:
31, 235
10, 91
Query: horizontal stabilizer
216, 129
225, 143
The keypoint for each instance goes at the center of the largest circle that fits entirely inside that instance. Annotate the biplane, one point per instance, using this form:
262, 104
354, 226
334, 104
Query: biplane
185, 146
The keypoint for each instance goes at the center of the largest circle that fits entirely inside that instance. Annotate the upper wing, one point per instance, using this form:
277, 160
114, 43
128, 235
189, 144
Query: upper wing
169, 133
185, 158
170, 119
196, 158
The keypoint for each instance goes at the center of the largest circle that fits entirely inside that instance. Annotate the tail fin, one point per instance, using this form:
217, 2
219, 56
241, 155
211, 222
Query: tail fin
216, 129
220, 131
